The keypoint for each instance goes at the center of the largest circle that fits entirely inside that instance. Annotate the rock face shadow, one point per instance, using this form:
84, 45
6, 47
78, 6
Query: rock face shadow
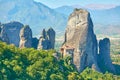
117, 68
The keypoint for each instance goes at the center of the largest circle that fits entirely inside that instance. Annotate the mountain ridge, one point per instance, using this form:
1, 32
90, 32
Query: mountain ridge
36, 14
100, 18
40, 16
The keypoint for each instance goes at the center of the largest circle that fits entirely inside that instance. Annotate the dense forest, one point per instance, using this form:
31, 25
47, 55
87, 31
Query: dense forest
31, 64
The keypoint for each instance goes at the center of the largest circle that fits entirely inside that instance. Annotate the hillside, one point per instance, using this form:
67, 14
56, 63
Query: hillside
37, 15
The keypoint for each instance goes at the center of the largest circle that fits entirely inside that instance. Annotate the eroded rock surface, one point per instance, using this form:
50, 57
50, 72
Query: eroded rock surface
10, 32
3, 35
47, 39
104, 59
80, 36
25, 37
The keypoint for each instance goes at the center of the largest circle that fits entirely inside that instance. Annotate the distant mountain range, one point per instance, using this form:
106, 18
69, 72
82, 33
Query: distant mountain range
39, 16
106, 21
105, 16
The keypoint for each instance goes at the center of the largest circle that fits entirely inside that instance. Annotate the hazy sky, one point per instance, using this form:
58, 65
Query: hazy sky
58, 3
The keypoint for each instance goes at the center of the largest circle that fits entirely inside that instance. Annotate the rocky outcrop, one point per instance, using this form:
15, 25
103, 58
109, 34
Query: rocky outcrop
47, 39
25, 37
10, 32
43, 41
3, 35
80, 36
51, 37
21, 36
104, 59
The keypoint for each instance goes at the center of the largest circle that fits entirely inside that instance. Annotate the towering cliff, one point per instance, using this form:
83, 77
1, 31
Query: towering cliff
51, 37
47, 39
10, 32
80, 40
104, 60
25, 37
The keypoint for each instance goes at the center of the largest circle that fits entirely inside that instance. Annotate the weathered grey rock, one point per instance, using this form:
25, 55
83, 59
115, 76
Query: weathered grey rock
3, 35
10, 32
47, 39
51, 37
104, 59
25, 37
44, 34
43, 44
80, 40
43, 41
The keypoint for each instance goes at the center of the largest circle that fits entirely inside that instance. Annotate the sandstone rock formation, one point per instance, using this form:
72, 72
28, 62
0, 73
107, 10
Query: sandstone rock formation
47, 39
25, 37
80, 40
10, 32
104, 59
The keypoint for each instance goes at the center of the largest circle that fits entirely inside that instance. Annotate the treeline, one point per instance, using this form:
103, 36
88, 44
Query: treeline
31, 64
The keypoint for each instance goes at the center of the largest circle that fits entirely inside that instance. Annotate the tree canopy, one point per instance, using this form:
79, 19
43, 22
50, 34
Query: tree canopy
31, 64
